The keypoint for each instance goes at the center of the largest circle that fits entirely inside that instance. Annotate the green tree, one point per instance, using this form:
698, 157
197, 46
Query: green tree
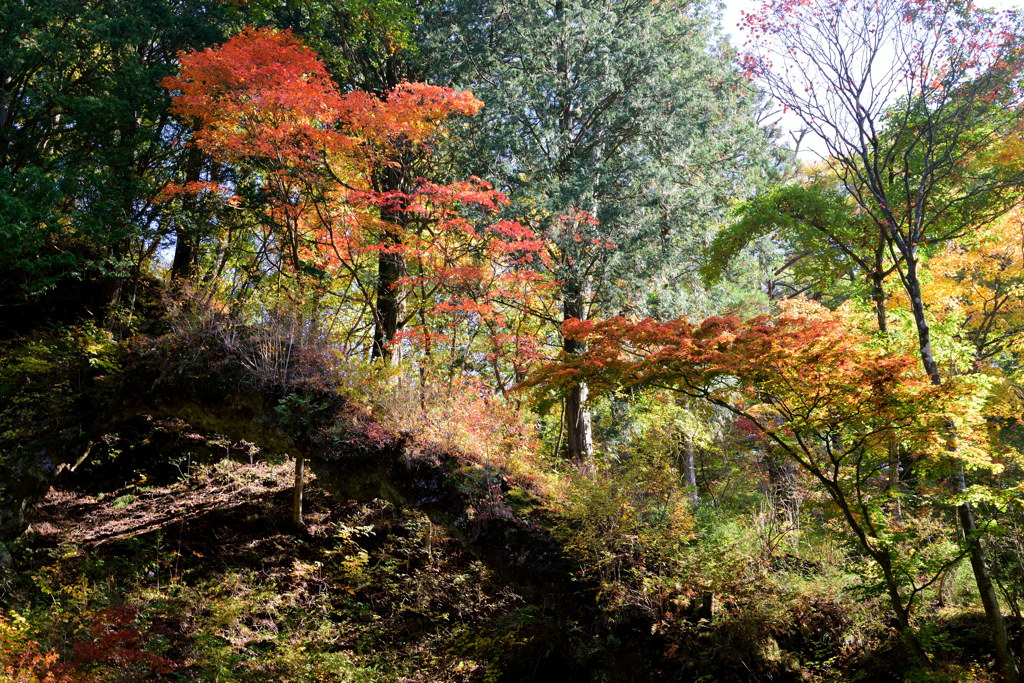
619, 130
86, 143
829, 245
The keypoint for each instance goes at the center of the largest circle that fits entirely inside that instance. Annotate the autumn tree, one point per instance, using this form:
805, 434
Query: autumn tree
366, 45
264, 104
909, 98
816, 388
980, 284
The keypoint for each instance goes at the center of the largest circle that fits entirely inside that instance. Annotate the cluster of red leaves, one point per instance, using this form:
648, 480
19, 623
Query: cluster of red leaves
263, 99
808, 371
114, 646
194, 187
116, 643
411, 112
262, 93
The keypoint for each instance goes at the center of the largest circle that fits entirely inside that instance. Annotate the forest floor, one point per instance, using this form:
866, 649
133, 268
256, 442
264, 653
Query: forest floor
201, 513
205, 579
218, 586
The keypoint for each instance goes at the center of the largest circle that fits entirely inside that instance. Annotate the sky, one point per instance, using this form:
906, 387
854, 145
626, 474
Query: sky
733, 8
811, 149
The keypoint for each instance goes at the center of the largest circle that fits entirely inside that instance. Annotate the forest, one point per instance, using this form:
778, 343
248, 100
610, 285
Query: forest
511, 340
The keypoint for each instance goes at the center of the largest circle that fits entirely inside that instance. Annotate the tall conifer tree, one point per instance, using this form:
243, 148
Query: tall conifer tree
620, 129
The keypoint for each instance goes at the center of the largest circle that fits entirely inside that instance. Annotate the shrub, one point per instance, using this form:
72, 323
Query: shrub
23, 660
626, 525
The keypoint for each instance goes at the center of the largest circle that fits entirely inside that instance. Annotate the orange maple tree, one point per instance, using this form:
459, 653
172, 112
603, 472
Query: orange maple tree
340, 171
813, 386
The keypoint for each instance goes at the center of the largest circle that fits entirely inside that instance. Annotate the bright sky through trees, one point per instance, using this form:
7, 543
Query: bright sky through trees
811, 149
733, 8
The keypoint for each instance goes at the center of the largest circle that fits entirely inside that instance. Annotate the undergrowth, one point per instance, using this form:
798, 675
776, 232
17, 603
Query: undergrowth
196, 574
373, 593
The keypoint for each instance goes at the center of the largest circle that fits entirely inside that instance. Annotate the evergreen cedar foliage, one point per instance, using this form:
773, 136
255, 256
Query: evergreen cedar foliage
592, 381
618, 128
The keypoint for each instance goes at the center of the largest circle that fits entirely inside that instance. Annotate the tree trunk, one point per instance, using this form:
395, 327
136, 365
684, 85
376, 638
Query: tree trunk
1004, 656
578, 432
913, 286
993, 614
390, 306
579, 436
185, 238
184, 257
865, 533
300, 477
894, 480
388, 312
878, 300
690, 472
902, 615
